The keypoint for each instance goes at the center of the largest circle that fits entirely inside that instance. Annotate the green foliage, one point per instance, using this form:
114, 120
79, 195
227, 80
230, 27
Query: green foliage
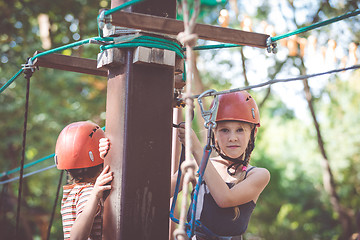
57, 98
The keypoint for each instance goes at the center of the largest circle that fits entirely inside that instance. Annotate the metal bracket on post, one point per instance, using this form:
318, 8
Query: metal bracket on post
110, 57
144, 55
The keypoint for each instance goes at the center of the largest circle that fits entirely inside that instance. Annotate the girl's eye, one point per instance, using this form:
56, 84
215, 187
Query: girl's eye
240, 130
224, 130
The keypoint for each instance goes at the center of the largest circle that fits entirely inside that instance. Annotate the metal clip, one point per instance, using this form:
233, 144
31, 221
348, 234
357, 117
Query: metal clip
29, 65
271, 46
209, 115
104, 20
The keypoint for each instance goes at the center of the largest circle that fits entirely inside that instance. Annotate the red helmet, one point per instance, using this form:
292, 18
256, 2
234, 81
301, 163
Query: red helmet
238, 106
78, 146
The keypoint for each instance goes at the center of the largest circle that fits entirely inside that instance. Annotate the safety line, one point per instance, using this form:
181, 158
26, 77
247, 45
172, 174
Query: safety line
30, 164
54, 206
28, 74
27, 175
71, 45
11, 80
26, 165
279, 80
317, 25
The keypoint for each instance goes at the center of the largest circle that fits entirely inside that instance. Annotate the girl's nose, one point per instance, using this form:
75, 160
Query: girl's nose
232, 137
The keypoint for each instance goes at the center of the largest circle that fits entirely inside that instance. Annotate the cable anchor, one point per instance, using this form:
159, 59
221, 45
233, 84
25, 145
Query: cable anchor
271, 46
104, 20
29, 68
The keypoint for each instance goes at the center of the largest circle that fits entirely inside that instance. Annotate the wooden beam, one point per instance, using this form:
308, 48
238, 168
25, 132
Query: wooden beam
173, 27
139, 126
69, 63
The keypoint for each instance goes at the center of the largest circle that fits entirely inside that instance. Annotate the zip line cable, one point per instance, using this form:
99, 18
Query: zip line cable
302, 77
27, 175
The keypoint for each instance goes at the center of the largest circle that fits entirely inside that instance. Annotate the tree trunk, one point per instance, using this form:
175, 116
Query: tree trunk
328, 178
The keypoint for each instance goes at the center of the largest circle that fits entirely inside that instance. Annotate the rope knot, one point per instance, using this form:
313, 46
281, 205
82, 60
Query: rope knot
187, 39
180, 234
186, 165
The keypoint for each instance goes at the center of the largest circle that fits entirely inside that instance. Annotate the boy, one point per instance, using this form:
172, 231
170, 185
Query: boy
77, 152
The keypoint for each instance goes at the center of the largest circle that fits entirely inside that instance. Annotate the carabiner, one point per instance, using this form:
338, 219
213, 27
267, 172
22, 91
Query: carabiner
209, 115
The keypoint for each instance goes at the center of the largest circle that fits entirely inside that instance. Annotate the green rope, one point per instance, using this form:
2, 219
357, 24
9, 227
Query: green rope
122, 6
147, 41
111, 11
317, 25
11, 80
26, 165
71, 45
216, 46
31, 164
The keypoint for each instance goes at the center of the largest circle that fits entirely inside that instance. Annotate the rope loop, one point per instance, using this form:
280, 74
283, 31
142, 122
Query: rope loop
188, 165
180, 234
188, 39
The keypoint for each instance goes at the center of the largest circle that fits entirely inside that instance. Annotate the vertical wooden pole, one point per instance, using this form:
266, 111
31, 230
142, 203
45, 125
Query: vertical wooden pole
139, 125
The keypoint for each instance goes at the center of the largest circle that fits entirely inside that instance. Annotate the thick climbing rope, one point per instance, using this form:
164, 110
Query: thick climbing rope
28, 74
188, 38
55, 204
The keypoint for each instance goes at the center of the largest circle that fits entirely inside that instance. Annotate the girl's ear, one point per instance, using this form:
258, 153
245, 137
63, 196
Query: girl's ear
256, 129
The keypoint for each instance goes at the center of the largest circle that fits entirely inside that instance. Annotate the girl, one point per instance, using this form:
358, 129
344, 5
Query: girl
231, 185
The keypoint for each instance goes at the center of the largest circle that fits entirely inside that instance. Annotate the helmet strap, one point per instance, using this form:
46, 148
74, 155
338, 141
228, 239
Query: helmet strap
237, 162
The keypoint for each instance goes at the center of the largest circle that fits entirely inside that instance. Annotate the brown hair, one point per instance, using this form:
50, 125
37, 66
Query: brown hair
85, 174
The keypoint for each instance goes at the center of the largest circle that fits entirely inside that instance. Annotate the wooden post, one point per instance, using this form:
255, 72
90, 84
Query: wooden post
139, 125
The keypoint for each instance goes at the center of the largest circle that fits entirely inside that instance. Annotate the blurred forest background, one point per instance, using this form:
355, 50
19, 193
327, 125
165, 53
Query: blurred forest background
309, 137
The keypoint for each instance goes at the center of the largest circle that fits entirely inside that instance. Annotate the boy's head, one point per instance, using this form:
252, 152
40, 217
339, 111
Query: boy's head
77, 149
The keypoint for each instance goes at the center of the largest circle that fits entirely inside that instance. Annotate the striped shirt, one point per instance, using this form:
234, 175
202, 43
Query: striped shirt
74, 200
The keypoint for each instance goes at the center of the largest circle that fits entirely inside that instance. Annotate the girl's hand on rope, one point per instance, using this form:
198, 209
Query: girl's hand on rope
181, 132
104, 146
194, 139
101, 182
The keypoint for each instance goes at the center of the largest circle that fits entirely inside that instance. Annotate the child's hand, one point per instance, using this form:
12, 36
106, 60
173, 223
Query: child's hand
104, 146
181, 133
101, 181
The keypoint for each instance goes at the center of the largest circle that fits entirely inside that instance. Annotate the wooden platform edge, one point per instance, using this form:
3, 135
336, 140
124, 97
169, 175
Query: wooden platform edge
70, 63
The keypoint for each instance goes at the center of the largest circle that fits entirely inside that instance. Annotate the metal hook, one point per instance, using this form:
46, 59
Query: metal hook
209, 115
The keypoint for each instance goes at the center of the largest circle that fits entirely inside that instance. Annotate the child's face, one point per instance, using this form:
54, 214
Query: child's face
232, 137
